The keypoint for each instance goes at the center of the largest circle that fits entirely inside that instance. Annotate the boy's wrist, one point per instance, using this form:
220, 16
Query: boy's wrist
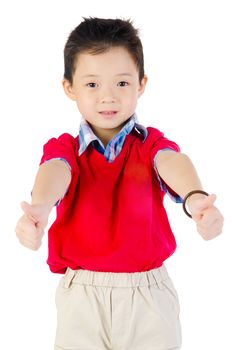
194, 197
191, 198
47, 207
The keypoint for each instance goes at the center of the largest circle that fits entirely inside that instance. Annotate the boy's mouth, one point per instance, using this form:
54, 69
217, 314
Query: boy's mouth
108, 112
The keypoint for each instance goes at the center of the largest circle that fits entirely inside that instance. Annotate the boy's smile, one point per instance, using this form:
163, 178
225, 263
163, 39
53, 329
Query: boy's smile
106, 88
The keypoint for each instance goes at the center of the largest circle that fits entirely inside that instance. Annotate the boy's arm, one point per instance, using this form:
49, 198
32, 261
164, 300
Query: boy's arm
178, 172
51, 182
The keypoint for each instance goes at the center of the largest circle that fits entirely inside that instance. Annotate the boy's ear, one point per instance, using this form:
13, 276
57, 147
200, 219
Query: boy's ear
142, 85
68, 89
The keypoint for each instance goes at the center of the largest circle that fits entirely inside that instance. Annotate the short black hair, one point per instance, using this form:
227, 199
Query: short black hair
97, 35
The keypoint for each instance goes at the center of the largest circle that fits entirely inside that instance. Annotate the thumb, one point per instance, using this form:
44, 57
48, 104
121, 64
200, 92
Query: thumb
203, 205
207, 202
29, 211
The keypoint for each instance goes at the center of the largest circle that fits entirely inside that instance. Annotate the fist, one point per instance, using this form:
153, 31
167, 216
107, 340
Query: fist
30, 227
208, 218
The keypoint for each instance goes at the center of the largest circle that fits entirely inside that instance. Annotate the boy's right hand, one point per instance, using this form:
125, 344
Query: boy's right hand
30, 227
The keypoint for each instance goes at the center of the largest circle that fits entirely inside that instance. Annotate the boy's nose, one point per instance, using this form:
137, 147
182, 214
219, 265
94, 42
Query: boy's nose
107, 100
107, 96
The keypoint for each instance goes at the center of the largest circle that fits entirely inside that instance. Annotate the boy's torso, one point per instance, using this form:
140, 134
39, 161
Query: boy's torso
112, 218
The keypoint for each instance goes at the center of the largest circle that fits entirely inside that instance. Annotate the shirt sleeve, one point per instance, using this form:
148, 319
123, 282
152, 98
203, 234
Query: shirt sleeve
63, 148
162, 145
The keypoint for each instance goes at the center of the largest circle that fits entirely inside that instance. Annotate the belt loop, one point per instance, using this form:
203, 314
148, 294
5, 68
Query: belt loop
68, 278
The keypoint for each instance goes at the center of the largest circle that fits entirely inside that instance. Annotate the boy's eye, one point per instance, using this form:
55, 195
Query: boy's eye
123, 83
91, 85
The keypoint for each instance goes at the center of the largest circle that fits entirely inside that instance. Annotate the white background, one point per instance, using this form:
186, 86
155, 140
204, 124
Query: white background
188, 55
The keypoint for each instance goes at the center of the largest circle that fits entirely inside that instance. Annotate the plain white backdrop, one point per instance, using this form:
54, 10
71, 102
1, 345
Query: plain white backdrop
188, 55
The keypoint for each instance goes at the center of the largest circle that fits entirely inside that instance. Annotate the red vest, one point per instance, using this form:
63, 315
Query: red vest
112, 219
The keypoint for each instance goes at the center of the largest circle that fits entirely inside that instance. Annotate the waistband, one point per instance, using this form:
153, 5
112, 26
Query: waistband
116, 279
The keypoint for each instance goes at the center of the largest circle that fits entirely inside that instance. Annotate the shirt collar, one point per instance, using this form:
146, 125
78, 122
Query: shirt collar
86, 134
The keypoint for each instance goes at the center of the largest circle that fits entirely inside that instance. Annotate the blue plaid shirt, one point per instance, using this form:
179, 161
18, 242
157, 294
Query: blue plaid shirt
114, 146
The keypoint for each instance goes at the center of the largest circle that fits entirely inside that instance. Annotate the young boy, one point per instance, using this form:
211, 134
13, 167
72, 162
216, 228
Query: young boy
112, 235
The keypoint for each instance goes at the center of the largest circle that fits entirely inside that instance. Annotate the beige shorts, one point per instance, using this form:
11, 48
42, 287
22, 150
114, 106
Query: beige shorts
117, 311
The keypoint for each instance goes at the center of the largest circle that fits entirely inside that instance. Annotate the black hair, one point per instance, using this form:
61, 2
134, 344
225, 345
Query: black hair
97, 35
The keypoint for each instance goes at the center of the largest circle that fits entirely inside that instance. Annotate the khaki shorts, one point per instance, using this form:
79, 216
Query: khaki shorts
117, 311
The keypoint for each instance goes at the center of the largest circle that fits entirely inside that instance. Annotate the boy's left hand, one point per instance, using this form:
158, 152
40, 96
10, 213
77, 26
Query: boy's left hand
208, 218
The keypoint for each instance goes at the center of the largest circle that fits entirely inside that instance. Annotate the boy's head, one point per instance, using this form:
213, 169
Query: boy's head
97, 35
104, 73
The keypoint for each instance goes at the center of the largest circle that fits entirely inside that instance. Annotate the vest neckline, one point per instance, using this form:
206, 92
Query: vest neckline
129, 138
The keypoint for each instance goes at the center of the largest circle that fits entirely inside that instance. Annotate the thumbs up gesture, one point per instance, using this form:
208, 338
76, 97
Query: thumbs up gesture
208, 218
30, 227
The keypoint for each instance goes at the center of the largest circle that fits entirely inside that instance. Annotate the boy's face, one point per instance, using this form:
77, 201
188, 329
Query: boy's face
106, 88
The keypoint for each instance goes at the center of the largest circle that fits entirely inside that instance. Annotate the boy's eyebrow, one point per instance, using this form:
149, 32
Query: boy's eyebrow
128, 74
96, 76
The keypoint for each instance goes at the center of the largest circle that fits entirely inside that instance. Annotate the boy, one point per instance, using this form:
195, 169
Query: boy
112, 235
